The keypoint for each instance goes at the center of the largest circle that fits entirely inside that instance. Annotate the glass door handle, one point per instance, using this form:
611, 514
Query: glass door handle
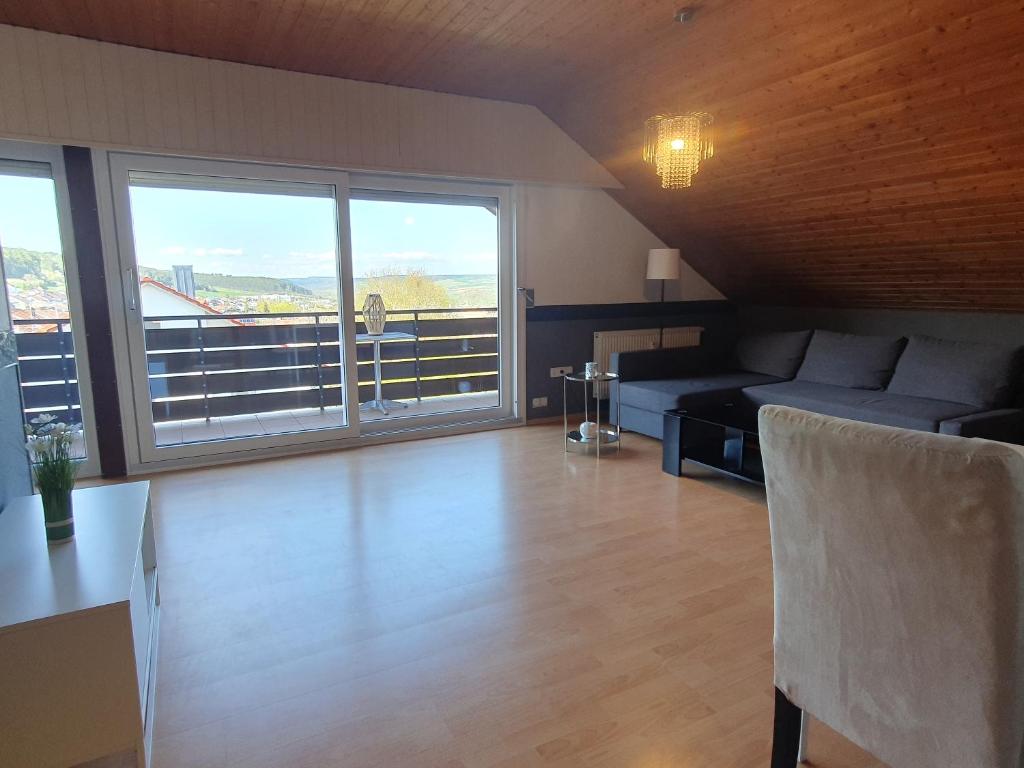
129, 289
527, 294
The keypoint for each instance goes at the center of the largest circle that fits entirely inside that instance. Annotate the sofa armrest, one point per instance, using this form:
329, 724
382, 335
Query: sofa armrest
1005, 425
670, 363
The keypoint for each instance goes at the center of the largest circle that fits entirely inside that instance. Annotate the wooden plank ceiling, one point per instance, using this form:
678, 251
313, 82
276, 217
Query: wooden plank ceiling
869, 152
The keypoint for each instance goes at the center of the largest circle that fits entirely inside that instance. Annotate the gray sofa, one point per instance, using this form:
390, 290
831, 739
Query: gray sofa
922, 383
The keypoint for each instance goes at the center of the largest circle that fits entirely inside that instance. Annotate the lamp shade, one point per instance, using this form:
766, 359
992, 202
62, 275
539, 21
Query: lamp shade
663, 264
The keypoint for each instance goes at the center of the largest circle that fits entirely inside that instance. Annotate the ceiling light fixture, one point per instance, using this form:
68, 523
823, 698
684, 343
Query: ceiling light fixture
676, 145
683, 15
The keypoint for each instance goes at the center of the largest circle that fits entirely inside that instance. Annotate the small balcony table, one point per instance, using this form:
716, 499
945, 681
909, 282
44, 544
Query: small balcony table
379, 402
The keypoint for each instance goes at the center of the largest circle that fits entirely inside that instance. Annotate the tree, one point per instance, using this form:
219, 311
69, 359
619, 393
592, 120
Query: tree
278, 306
409, 289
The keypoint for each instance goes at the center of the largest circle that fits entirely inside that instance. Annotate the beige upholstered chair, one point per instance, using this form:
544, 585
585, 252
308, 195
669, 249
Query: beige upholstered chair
899, 573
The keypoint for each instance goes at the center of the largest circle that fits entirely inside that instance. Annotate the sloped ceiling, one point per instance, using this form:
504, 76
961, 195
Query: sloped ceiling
868, 152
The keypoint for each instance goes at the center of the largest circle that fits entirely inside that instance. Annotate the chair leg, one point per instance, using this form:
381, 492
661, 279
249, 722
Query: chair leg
801, 756
786, 738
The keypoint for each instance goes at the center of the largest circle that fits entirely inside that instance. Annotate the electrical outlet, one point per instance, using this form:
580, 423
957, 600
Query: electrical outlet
539, 402
560, 371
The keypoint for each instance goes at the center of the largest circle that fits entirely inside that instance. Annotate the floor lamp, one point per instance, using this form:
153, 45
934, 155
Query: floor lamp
662, 264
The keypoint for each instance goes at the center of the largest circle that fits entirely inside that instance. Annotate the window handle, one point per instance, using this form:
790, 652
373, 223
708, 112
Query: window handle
129, 289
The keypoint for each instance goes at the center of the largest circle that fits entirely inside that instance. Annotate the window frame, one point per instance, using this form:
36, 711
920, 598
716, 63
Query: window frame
53, 156
133, 382
512, 200
384, 187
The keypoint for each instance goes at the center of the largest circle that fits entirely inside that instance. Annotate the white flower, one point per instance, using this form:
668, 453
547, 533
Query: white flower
43, 418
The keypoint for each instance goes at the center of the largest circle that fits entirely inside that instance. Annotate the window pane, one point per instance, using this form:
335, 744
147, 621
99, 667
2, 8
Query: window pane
239, 293
433, 260
38, 294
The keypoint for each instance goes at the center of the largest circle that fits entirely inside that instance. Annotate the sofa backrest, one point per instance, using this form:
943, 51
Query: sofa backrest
983, 375
772, 354
986, 376
848, 360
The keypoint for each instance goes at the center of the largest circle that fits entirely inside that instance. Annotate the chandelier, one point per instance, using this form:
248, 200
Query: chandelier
676, 145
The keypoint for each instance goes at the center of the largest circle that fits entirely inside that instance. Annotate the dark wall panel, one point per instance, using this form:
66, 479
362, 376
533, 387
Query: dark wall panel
557, 336
990, 327
89, 250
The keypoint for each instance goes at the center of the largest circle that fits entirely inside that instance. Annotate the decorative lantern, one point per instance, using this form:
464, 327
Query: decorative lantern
375, 314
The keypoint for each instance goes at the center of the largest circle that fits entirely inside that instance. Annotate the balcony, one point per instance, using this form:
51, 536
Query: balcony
220, 376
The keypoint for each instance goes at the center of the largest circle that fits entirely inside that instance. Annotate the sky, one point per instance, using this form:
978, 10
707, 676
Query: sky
240, 233
28, 214
286, 236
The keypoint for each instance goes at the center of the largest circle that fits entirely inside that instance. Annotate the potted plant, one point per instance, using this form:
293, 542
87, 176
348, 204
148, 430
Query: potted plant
50, 445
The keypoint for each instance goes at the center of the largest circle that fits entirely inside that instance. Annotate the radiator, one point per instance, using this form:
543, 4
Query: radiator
607, 342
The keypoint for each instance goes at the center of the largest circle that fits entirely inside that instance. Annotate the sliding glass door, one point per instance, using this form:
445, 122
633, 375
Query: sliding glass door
41, 286
268, 306
240, 326
437, 256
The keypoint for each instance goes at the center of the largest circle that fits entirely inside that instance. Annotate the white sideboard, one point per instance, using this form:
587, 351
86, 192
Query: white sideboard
78, 632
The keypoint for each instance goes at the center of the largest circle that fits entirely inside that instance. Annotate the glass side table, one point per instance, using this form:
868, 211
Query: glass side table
609, 435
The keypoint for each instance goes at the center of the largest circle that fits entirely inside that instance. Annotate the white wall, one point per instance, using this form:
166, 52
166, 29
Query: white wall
579, 246
157, 302
64, 89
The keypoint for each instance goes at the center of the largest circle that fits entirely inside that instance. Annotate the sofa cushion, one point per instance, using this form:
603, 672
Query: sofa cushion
960, 371
773, 354
859, 404
667, 394
848, 360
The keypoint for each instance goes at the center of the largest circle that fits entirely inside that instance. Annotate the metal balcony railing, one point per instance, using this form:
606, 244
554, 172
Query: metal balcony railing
47, 370
205, 366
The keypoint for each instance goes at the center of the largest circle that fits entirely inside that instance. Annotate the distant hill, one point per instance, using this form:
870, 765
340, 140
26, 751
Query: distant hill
319, 286
46, 270
231, 285
45, 265
471, 290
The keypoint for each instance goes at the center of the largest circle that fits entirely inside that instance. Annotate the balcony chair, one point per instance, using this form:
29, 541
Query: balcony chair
899, 572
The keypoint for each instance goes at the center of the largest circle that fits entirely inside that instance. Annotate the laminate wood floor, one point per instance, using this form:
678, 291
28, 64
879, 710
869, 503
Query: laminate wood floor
467, 602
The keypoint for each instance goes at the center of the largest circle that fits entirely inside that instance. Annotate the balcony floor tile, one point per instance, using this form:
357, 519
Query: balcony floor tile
310, 419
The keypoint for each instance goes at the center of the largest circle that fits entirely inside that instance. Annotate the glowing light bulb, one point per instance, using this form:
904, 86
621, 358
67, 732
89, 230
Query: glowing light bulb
678, 144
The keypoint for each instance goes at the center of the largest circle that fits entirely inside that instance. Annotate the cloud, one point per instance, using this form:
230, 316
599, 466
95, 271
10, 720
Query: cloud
481, 257
432, 262
217, 251
414, 256
180, 250
300, 264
